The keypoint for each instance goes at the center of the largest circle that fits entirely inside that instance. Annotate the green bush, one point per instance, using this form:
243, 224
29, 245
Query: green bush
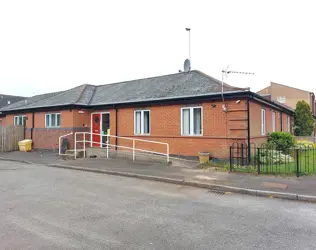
281, 141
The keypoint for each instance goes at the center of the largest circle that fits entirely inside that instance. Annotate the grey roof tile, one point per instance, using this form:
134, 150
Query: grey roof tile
156, 88
87, 94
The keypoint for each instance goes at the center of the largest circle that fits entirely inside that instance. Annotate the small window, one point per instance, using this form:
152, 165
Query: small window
141, 122
281, 99
191, 121
52, 120
20, 120
263, 122
273, 122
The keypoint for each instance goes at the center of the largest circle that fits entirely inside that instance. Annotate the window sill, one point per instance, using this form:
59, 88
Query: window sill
192, 135
52, 127
141, 134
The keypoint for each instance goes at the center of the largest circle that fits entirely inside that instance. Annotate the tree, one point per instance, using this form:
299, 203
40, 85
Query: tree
303, 119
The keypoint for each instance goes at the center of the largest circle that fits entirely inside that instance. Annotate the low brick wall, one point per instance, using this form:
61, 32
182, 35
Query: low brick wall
44, 138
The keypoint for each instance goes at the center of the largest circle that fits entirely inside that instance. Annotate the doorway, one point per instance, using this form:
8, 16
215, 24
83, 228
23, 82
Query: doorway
100, 126
96, 130
105, 127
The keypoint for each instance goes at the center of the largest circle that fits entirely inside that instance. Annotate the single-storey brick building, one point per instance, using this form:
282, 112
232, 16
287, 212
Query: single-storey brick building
186, 110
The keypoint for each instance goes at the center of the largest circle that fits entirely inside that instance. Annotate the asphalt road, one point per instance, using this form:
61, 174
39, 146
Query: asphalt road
50, 208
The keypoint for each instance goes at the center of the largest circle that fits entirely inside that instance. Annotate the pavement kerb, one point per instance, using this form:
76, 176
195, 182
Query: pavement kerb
125, 174
308, 198
21, 161
223, 188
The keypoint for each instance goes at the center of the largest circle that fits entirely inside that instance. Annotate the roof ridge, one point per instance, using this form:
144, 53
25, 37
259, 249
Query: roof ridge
289, 87
146, 78
13, 96
95, 89
82, 91
219, 82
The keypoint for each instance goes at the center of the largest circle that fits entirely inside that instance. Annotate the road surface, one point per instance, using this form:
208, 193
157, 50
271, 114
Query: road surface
50, 208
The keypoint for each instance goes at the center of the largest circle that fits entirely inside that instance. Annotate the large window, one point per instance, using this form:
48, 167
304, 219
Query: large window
19, 120
263, 122
191, 121
273, 122
141, 122
52, 120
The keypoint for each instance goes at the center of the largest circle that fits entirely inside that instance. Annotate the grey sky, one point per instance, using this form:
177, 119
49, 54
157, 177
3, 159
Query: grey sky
54, 45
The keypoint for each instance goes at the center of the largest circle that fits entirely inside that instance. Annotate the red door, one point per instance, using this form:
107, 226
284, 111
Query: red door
96, 129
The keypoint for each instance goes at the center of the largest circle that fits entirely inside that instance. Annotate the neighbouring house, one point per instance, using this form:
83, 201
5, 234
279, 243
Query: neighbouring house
186, 110
288, 96
6, 100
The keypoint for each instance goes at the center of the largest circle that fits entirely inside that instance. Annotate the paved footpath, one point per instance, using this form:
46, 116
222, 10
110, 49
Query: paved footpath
305, 185
52, 208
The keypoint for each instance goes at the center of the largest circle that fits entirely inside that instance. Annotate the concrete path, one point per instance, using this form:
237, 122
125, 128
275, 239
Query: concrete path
51, 208
305, 185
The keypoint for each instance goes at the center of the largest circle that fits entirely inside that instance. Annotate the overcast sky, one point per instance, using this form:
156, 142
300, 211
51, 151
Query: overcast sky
48, 46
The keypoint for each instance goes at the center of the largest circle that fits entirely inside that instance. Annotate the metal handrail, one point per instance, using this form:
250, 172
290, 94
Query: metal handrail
115, 145
59, 149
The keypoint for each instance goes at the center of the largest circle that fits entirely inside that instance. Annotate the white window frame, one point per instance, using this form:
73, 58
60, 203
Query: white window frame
288, 121
192, 121
281, 99
50, 120
273, 122
19, 117
263, 122
142, 111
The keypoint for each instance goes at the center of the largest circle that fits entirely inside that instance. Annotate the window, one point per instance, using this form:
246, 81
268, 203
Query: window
191, 121
273, 122
288, 123
52, 120
19, 120
263, 122
141, 122
281, 99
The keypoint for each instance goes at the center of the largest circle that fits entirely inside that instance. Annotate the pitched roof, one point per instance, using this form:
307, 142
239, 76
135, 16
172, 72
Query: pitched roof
185, 84
6, 100
164, 87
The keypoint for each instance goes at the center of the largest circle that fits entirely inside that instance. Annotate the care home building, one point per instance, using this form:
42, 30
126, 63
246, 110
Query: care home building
187, 110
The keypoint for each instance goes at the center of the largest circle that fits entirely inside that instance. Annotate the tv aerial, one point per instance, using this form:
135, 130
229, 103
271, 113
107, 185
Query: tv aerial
225, 73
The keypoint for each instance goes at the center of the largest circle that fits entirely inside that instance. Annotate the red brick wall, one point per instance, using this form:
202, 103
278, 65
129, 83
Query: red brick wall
255, 122
220, 128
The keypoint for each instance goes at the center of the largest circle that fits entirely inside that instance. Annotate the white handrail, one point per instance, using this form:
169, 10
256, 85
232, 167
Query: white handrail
114, 145
59, 150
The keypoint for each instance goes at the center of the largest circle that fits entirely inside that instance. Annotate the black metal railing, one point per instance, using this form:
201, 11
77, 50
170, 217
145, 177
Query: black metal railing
270, 159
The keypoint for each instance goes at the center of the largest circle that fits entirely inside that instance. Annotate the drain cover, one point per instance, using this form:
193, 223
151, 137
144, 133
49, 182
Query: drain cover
216, 191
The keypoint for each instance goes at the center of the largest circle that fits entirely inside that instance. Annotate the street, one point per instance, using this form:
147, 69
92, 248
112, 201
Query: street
50, 208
